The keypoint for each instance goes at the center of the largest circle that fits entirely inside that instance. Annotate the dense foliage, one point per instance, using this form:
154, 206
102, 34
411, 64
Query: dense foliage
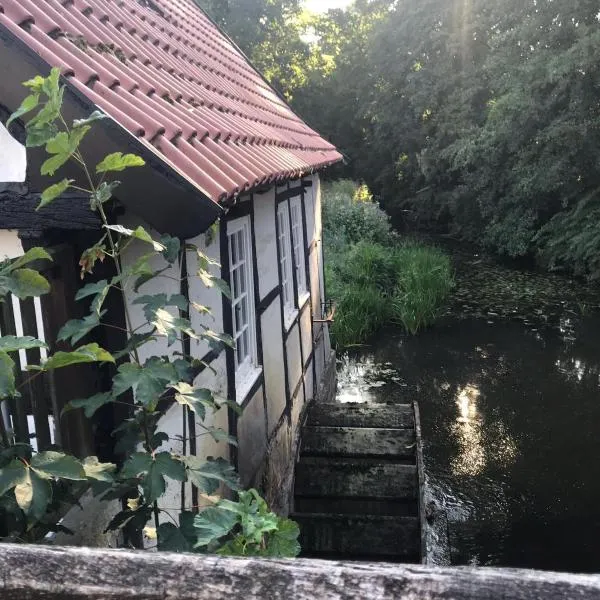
373, 277
480, 117
31, 482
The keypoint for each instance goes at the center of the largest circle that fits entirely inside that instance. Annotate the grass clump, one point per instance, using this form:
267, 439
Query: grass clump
423, 282
374, 278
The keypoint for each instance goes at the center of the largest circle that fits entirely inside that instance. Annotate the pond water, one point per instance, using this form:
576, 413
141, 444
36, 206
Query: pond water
508, 384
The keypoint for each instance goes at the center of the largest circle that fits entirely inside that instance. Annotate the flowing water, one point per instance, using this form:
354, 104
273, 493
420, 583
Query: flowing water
508, 384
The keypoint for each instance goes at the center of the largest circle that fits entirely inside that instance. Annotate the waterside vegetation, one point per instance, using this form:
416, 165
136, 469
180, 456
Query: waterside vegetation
375, 277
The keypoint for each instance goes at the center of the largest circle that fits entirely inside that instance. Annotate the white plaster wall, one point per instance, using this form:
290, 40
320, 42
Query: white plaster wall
294, 359
309, 207
216, 380
315, 282
273, 364
318, 234
252, 435
309, 382
10, 244
210, 297
13, 158
266, 241
306, 333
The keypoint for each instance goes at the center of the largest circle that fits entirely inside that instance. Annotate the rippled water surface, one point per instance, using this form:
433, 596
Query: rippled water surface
510, 410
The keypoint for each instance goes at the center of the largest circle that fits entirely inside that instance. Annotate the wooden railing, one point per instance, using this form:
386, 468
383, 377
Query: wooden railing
46, 573
36, 416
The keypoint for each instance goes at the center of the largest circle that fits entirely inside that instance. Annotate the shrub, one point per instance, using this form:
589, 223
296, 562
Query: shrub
348, 217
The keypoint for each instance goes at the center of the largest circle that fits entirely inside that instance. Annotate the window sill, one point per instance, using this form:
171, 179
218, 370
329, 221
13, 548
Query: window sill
303, 299
245, 381
289, 318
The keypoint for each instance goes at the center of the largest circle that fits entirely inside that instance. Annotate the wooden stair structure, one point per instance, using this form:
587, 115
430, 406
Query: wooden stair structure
358, 485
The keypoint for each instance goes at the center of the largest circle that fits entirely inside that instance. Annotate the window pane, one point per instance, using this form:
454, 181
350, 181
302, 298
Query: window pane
238, 318
243, 277
244, 310
238, 353
233, 248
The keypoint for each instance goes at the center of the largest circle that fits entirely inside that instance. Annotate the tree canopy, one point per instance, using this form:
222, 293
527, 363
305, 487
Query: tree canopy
479, 117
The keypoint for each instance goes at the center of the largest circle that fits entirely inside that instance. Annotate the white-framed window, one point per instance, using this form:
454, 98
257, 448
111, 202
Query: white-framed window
284, 243
299, 248
242, 304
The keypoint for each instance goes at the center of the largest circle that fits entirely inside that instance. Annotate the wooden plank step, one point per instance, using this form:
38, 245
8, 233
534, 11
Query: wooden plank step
356, 414
357, 535
336, 477
357, 506
358, 441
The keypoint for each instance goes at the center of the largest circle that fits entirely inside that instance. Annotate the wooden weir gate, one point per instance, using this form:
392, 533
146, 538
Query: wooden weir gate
359, 483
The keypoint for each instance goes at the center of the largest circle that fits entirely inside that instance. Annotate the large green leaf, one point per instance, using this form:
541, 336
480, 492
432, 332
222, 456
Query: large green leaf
283, 541
7, 376
220, 435
148, 381
75, 329
210, 280
170, 466
212, 524
11, 475
103, 193
91, 289
171, 326
139, 233
61, 151
135, 341
98, 471
84, 354
31, 255
198, 399
100, 289
62, 146
95, 116
36, 84
57, 464
24, 283
136, 465
39, 136
28, 104
92, 404
208, 475
53, 192
171, 539
172, 246
164, 465
33, 494
118, 162
217, 340
11, 343
153, 470
156, 301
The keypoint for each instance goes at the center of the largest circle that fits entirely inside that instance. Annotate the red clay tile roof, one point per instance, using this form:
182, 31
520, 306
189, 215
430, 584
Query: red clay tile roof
170, 77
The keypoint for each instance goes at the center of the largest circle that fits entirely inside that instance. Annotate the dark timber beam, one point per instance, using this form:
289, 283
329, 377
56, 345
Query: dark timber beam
45, 573
69, 212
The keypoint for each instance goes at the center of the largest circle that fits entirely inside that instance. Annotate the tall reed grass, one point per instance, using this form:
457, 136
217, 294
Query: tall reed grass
374, 277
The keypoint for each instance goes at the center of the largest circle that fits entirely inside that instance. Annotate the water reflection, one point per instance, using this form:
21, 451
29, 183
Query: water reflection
478, 443
471, 458
360, 380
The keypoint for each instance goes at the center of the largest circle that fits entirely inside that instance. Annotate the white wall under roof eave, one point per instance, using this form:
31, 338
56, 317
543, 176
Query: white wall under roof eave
13, 158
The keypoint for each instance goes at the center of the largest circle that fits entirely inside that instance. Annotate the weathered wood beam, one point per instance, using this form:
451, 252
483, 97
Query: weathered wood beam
353, 414
46, 573
68, 212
